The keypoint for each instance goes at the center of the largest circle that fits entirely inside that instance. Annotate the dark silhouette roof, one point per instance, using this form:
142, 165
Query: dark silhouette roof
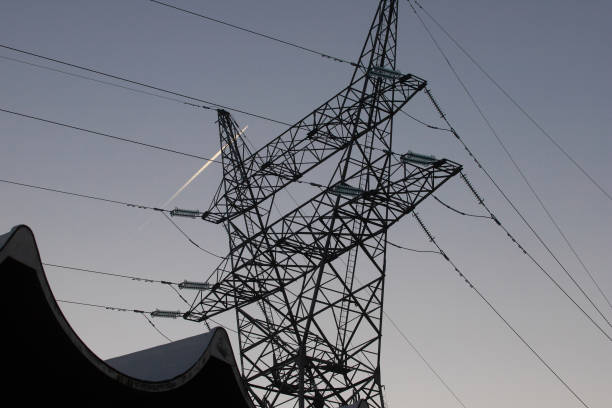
44, 358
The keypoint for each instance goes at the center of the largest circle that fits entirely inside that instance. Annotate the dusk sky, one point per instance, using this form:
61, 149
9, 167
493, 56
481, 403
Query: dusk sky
553, 57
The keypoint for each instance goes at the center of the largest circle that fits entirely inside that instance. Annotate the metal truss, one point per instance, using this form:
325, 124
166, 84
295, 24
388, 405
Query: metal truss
309, 314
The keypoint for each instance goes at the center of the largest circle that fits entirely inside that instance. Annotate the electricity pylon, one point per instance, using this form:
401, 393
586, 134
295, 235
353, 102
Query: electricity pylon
309, 314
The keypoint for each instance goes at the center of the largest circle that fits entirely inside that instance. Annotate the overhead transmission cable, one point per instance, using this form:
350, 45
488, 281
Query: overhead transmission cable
156, 328
516, 104
135, 278
118, 309
209, 105
522, 248
523, 176
106, 135
139, 206
170, 284
116, 275
189, 238
169, 98
107, 307
266, 36
99, 81
517, 211
411, 249
458, 211
418, 353
490, 305
429, 125
133, 89
90, 197
492, 129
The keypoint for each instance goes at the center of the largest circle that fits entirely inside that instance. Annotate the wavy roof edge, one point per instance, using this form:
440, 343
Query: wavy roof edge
46, 351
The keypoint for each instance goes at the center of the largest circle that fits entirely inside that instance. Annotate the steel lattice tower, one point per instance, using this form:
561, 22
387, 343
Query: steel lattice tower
307, 287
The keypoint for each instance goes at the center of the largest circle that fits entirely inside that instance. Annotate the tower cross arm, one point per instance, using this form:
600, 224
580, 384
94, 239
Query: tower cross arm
330, 128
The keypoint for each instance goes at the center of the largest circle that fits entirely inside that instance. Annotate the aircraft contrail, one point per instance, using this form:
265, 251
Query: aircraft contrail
197, 173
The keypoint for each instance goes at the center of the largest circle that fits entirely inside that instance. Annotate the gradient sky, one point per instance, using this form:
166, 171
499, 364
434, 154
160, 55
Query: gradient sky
554, 57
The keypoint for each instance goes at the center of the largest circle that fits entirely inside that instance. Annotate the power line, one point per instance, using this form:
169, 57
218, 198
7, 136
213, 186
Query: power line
515, 103
145, 85
118, 309
106, 307
494, 132
429, 125
490, 305
558, 228
157, 88
121, 309
410, 249
458, 211
180, 296
132, 89
524, 220
418, 353
189, 238
116, 275
170, 284
99, 81
107, 200
266, 36
157, 329
524, 177
518, 244
93, 132
163, 211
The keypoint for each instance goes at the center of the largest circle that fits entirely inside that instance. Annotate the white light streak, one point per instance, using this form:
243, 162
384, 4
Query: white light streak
197, 173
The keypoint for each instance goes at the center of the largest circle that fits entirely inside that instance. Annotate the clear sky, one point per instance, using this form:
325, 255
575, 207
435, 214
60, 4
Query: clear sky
554, 57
